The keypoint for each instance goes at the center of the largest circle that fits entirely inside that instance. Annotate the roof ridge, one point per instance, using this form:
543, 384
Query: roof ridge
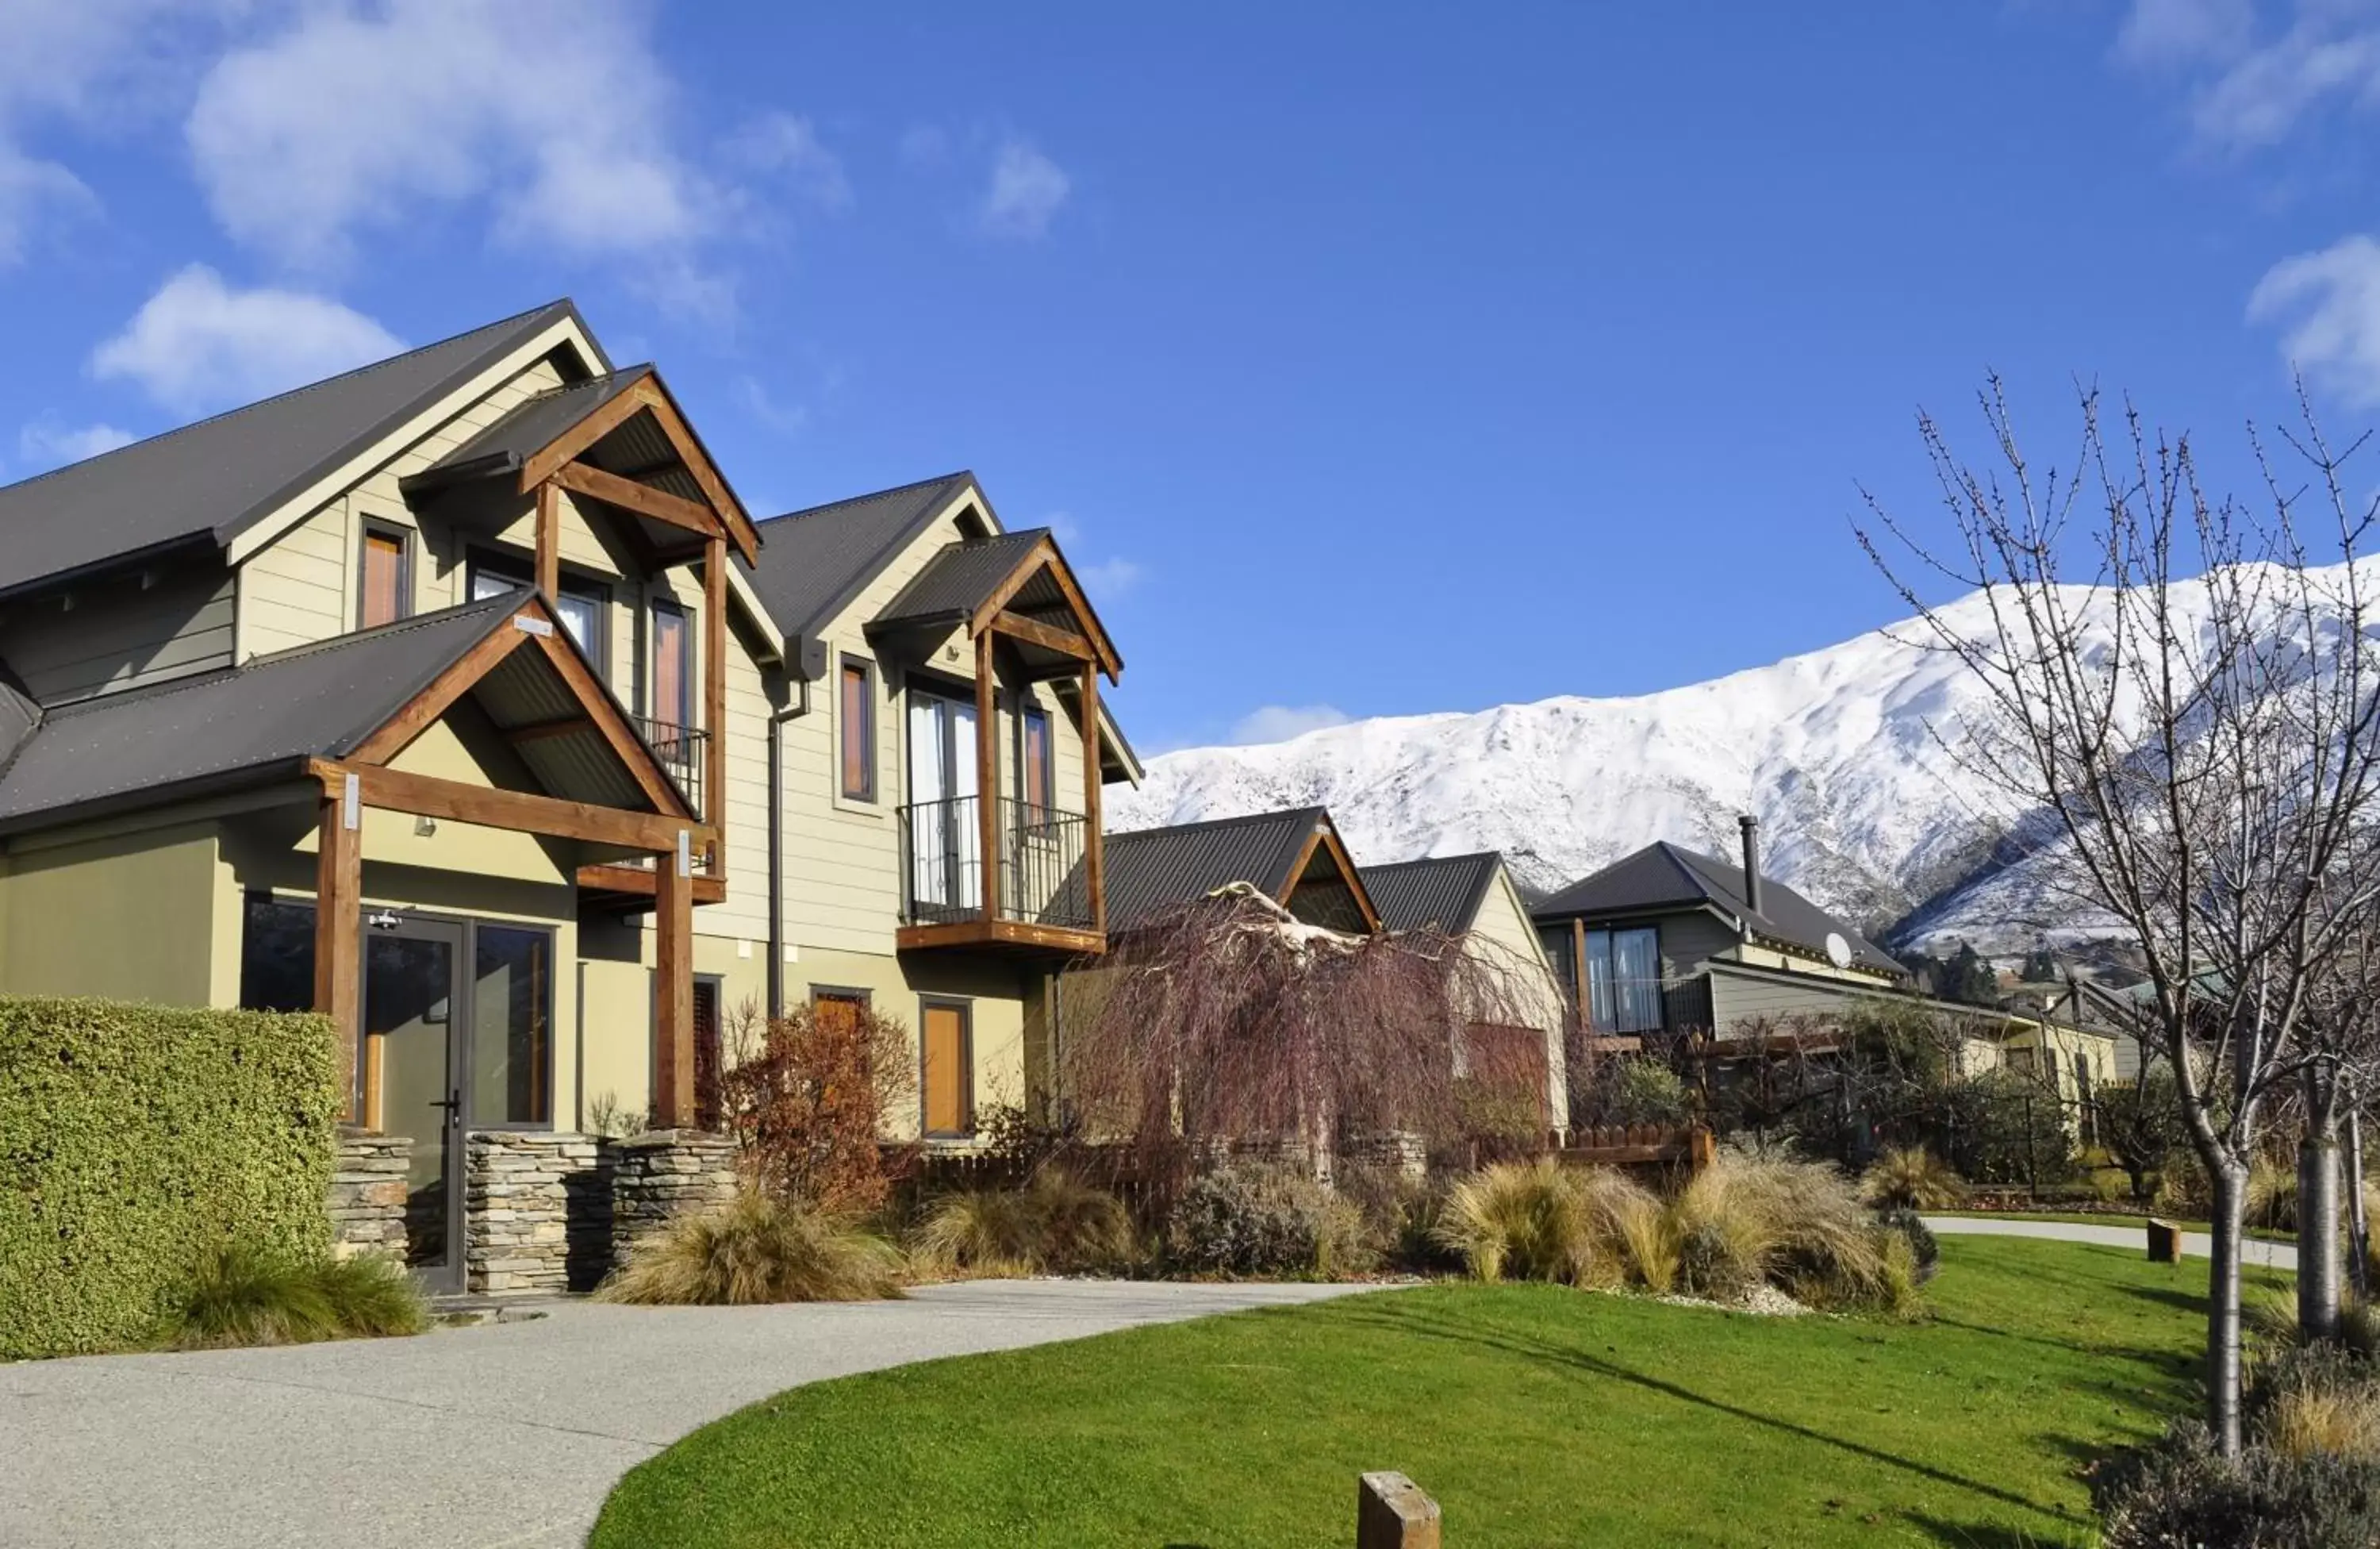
299, 391
872, 495
1276, 815
1468, 856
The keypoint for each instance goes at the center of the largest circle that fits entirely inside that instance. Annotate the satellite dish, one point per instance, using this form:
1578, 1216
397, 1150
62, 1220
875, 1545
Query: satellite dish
1838, 951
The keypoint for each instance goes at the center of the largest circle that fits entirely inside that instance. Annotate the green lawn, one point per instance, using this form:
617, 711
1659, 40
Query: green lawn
1537, 1416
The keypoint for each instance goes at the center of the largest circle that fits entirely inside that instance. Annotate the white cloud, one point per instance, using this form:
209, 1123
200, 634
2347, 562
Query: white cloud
1027, 189
357, 118
198, 345
47, 443
925, 145
2328, 305
1279, 722
2173, 31
33, 193
2247, 92
785, 143
1108, 579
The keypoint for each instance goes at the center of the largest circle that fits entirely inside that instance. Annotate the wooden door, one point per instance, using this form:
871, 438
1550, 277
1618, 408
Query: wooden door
944, 1060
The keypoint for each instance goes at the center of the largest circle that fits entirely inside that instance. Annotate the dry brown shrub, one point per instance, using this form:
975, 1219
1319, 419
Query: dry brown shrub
807, 1097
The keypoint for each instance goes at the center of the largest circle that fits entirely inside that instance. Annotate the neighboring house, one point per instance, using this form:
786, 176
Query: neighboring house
946, 683
1472, 899
1294, 856
456, 646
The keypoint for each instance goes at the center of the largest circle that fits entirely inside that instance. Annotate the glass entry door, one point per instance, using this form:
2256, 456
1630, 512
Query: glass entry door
945, 827
415, 1034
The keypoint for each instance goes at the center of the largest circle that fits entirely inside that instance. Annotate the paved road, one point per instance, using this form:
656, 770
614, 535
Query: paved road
502, 1437
2273, 1255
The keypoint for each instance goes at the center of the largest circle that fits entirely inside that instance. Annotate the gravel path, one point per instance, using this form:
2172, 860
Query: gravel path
504, 1437
2273, 1255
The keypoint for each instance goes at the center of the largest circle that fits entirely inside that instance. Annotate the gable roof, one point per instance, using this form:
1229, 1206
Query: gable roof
1441, 893
817, 561
1663, 876
525, 429
263, 720
208, 482
959, 578
1153, 869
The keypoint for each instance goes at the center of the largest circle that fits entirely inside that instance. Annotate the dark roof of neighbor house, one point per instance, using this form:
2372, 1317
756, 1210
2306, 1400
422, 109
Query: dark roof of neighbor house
817, 560
526, 429
18, 717
958, 579
1153, 870
208, 482
264, 719
1663, 876
1441, 893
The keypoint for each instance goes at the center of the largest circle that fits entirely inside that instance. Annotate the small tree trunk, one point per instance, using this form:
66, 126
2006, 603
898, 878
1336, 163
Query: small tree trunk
2229, 1182
2318, 1234
2359, 1261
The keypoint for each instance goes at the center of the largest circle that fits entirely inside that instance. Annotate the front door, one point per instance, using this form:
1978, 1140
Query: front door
415, 1027
946, 832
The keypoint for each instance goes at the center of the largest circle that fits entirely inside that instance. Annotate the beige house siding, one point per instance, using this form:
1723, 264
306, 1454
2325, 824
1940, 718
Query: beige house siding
121, 633
1740, 998
129, 916
1503, 926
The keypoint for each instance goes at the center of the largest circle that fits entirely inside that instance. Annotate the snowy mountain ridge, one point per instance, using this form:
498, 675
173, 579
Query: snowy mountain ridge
1839, 751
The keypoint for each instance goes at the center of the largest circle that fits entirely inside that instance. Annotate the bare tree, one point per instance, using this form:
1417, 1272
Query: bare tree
2340, 1058
2191, 761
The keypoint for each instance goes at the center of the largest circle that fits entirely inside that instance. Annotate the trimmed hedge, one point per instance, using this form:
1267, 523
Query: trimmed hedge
136, 1139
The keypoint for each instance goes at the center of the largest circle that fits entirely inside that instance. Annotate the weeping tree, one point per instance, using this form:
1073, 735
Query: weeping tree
2179, 729
1229, 1021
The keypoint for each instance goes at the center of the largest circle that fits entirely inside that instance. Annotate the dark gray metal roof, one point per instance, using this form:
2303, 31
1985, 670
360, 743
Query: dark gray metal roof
1159, 869
957, 579
18, 717
207, 483
1442, 893
262, 720
528, 428
813, 563
1663, 876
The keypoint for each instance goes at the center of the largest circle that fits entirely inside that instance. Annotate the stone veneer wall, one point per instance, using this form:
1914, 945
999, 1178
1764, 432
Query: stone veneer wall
367, 1196
538, 1207
665, 1174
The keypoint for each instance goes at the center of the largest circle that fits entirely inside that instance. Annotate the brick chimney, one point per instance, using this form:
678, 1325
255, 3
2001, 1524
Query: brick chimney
1751, 826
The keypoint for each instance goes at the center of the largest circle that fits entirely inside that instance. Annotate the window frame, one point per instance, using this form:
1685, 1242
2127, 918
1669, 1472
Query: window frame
1030, 713
846, 664
656, 609
472, 924
1608, 959
380, 527
969, 1126
498, 565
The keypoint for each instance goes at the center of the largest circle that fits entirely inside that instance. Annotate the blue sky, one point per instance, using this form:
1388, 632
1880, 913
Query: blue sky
1368, 359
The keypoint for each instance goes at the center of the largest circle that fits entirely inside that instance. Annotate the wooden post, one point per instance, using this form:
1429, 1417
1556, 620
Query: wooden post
986, 777
674, 986
1392, 1513
548, 540
714, 697
339, 918
1094, 855
2165, 1242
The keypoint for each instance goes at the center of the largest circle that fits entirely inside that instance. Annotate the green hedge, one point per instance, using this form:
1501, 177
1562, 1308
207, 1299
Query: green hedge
136, 1139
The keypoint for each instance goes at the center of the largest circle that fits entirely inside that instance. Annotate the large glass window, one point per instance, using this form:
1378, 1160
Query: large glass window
276, 955
581, 607
512, 1026
1623, 981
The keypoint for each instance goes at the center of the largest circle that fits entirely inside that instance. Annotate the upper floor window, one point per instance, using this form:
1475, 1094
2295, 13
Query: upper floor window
1623, 981
1037, 781
582, 607
1562, 952
673, 665
855, 725
385, 583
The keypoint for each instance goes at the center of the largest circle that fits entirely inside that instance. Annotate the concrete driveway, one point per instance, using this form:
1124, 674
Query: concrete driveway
509, 1435
2195, 1245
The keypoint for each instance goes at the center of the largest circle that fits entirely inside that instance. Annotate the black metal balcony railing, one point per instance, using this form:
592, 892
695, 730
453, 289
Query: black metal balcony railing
1040, 860
684, 752
1622, 1007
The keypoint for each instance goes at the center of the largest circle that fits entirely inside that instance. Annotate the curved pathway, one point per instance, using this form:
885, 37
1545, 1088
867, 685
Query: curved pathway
2271, 1255
506, 1436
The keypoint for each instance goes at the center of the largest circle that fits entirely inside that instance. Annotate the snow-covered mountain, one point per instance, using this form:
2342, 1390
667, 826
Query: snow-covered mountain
1839, 752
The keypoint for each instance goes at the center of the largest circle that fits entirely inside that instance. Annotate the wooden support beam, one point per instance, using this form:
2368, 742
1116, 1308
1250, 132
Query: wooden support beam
714, 697
1093, 842
339, 918
987, 778
1065, 641
396, 790
613, 877
538, 731
585, 479
549, 540
674, 991
399, 730
547, 460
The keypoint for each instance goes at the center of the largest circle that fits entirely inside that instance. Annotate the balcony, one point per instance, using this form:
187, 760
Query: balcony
1041, 899
1621, 1013
684, 752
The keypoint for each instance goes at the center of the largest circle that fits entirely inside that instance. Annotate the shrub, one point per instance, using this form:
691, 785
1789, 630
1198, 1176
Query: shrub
1400, 1215
759, 1248
1258, 1220
1054, 1225
137, 1141
1636, 1089
1912, 1178
244, 1295
2181, 1492
808, 1095
1925, 1251
1998, 1127
1794, 1225
1519, 1221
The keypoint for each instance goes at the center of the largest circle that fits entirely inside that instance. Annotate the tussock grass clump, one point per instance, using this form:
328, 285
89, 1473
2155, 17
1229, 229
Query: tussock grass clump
1519, 1221
1912, 1178
1262, 1221
1054, 1225
756, 1250
243, 1296
1797, 1225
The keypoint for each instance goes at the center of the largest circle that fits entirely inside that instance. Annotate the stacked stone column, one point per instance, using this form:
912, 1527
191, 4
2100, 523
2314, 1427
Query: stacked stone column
366, 1202
537, 1208
663, 1175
